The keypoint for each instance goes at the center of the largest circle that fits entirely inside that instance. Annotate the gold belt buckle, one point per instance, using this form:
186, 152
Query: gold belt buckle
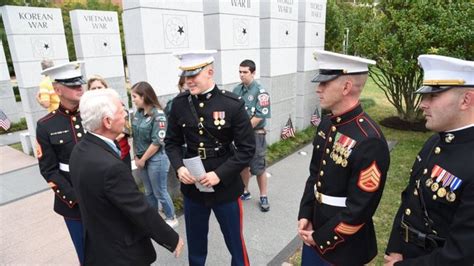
319, 197
202, 153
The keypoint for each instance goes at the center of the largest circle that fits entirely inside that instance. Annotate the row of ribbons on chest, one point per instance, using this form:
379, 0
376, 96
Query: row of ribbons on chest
443, 183
342, 149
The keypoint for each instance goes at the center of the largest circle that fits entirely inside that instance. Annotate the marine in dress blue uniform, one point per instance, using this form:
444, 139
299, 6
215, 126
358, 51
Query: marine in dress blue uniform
57, 133
210, 121
347, 171
435, 222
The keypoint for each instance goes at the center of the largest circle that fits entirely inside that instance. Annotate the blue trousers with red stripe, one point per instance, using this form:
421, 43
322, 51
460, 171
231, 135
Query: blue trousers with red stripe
76, 231
229, 215
310, 257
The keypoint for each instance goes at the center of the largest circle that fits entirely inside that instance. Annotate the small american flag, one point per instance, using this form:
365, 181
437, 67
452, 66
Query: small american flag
288, 131
315, 118
4, 121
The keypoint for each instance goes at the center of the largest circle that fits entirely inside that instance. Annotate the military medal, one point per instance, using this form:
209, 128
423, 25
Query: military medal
428, 182
222, 118
455, 184
451, 196
441, 192
335, 147
215, 115
342, 148
347, 153
434, 187
447, 180
344, 163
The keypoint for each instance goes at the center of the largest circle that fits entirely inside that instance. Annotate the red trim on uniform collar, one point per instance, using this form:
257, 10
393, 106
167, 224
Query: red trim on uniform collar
348, 115
65, 111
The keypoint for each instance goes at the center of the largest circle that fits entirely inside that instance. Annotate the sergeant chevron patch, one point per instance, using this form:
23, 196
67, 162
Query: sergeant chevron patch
348, 229
369, 178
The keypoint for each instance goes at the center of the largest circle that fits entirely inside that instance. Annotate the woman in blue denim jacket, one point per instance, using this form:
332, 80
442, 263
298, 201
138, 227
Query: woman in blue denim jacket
149, 130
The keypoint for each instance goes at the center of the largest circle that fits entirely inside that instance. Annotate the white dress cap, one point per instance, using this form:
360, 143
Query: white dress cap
68, 74
333, 65
192, 62
441, 73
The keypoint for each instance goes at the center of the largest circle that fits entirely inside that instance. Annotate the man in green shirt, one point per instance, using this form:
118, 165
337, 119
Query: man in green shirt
257, 104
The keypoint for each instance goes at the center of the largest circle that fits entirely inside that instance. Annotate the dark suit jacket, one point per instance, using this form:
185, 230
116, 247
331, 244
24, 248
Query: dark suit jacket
118, 223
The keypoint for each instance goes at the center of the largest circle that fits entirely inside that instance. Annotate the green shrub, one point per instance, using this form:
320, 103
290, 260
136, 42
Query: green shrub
21, 125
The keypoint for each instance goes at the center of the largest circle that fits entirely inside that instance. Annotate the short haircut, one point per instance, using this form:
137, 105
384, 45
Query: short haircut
250, 64
95, 105
96, 78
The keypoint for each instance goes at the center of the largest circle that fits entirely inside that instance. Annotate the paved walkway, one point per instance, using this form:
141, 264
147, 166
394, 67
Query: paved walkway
10, 138
19, 175
31, 233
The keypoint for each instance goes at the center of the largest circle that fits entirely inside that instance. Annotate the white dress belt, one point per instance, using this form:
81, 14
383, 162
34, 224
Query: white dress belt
329, 200
64, 167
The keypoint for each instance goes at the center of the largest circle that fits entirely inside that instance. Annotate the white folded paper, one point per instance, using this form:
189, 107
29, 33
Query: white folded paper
196, 169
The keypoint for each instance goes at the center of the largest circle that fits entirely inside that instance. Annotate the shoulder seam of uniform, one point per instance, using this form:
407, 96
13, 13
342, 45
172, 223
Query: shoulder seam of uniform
366, 119
372, 125
47, 117
231, 95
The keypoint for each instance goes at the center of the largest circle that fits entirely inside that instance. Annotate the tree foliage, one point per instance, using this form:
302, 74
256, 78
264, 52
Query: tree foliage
400, 32
342, 15
334, 27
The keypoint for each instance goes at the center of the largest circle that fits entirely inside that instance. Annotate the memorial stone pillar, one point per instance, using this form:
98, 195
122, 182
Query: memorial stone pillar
7, 97
311, 32
233, 29
278, 46
33, 34
97, 43
153, 31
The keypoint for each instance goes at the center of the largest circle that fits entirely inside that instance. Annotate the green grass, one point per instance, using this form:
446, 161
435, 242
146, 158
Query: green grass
21, 125
401, 160
17, 146
283, 148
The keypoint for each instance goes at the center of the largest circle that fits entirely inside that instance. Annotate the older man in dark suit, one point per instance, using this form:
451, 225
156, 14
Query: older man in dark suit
118, 223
